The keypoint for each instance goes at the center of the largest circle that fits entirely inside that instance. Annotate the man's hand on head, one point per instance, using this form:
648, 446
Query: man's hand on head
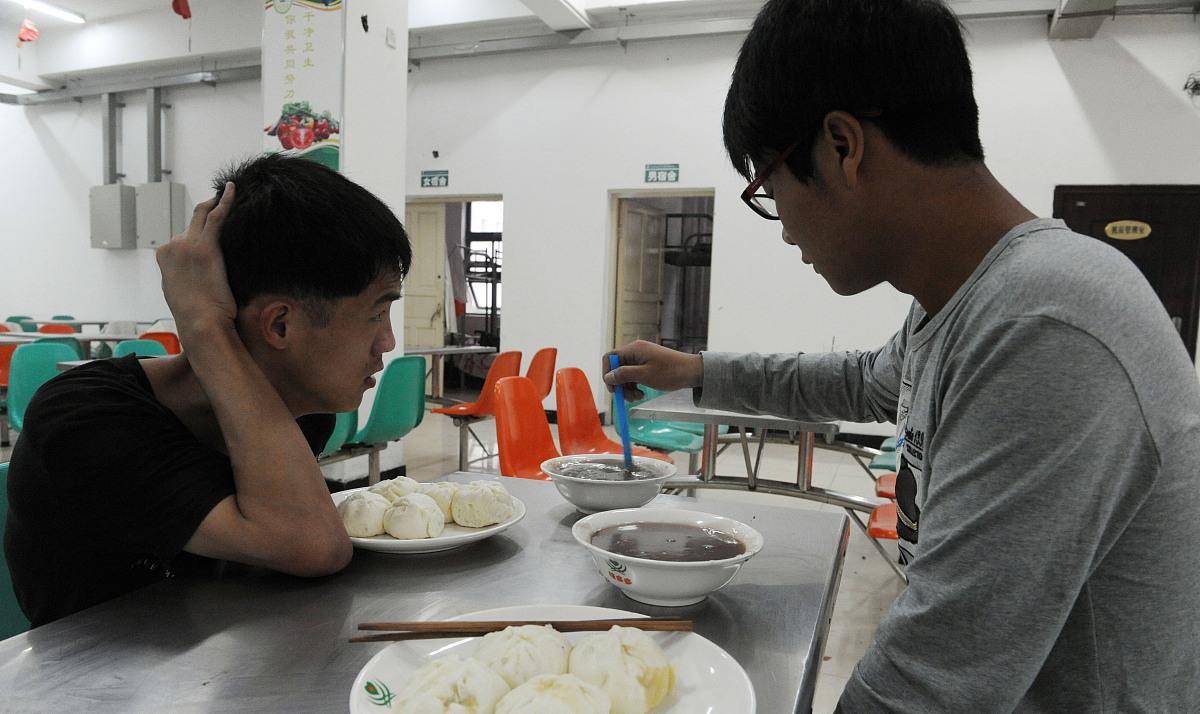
193, 270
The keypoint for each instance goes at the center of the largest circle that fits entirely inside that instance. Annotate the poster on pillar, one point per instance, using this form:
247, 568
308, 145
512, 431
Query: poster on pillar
302, 78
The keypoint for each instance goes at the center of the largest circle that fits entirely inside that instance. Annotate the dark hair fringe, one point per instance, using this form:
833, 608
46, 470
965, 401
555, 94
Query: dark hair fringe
806, 58
300, 229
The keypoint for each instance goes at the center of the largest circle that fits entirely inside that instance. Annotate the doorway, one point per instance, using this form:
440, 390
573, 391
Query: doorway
452, 295
1158, 228
663, 269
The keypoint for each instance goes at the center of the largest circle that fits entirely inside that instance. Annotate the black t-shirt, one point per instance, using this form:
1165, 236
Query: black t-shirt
105, 487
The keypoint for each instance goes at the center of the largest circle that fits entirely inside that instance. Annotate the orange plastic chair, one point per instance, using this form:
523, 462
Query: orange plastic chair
579, 430
883, 522
885, 486
506, 364
4, 328
57, 330
522, 430
541, 370
168, 340
6, 355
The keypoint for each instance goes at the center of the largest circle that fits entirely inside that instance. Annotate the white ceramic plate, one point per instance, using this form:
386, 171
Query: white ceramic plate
707, 679
454, 536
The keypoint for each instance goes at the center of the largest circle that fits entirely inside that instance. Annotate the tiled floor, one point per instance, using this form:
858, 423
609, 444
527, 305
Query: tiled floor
868, 584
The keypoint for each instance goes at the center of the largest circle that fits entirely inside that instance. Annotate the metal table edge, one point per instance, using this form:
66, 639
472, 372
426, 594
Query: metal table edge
808, 682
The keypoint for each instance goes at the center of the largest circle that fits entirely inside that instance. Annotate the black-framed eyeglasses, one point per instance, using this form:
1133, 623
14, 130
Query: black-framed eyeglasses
763, 203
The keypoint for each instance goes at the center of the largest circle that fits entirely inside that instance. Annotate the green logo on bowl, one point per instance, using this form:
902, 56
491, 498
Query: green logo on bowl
616, 567
379, 693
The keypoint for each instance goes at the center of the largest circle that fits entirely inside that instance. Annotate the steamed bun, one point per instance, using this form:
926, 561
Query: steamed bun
362, 514
520, 653
414, 516
481, 503
393, 489
441, 492
450, 685
627, 664
555, 694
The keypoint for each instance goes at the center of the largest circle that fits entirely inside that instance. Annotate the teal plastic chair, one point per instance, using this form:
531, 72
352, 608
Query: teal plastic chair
399, 402
689, 427
28, 325
884, 462
18, 319
32, 366
62, 317
141, 348
12, 620
343, 429
889, 444
662, 435
70, 342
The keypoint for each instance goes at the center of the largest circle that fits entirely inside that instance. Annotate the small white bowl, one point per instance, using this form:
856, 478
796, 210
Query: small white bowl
592, 496
660, 582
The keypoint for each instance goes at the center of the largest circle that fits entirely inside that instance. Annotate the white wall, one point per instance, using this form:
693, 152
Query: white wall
554, 132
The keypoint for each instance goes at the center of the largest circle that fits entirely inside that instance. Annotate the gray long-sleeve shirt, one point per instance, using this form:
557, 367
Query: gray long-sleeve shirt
1049, 485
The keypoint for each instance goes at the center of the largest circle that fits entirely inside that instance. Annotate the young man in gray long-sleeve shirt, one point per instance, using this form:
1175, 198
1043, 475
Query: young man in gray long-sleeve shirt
1048, 414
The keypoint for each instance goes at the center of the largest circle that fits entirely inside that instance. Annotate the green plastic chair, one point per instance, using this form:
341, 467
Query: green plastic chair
12, 620
28, 325
32, 366
399, 402
62, 317
889, 444
18, 319
70, 342
141, 348
689, 427
662, 435
343, 429
884, 462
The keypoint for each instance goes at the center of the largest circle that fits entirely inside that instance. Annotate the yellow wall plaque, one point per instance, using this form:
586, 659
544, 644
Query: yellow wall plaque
1127, 230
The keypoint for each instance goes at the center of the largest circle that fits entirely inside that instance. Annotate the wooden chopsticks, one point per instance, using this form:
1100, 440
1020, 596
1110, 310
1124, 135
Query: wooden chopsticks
398, 631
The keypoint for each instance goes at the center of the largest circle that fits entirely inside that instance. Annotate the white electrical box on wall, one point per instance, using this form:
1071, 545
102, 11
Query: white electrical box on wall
113, 223
160, 213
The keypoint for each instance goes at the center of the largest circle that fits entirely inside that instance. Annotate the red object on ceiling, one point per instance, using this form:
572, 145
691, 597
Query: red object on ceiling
182, 9
28, 31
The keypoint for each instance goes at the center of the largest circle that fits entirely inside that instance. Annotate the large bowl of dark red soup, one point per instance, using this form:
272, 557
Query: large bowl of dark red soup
666, 556
601, 482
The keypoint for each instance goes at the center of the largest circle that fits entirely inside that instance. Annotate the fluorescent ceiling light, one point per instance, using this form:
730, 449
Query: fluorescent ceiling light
51, 10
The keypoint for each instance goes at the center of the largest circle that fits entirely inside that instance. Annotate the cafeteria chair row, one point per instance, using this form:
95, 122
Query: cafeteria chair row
506, 364
399, 408
523, 431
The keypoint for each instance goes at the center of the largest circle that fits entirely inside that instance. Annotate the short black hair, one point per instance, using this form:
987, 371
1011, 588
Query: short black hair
300, 229
806, 58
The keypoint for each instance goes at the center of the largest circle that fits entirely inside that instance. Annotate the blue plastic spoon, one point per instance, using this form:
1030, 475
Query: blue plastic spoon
622, 410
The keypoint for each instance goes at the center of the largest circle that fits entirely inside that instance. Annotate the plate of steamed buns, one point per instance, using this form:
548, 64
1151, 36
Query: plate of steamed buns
402, 515
534, 669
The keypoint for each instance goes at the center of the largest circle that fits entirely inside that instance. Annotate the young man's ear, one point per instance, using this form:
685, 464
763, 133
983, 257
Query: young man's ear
276, 322
844, 133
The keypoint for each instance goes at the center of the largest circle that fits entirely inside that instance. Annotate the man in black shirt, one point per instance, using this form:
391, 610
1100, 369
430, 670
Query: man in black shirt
129, 470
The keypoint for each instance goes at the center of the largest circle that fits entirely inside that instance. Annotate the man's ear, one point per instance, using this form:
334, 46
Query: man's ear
843, 133
276, 322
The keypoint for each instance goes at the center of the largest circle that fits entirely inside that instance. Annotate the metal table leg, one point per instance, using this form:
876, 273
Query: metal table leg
804, 467
435, 376
373, 466
878, 548
463, 444
709, 469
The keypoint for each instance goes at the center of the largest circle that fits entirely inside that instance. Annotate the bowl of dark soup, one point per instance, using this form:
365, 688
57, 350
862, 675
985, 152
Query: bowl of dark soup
600, 482
666, 556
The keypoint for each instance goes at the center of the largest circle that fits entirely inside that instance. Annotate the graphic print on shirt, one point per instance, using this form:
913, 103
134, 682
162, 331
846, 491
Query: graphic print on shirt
910, 459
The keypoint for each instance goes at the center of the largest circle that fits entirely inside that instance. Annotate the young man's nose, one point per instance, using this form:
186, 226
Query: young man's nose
386, 342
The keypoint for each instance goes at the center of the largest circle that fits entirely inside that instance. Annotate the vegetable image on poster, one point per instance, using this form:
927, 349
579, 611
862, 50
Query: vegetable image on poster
303, 78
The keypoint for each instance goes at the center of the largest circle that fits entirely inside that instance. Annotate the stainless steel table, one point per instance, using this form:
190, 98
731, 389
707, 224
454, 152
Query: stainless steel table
256, 641
679, 406
436, 355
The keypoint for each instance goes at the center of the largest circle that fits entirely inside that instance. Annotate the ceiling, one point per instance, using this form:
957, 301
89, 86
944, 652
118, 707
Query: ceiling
12, 13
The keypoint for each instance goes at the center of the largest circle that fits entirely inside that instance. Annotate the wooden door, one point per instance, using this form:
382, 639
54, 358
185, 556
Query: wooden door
640, 235
1158, 228
425, 286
